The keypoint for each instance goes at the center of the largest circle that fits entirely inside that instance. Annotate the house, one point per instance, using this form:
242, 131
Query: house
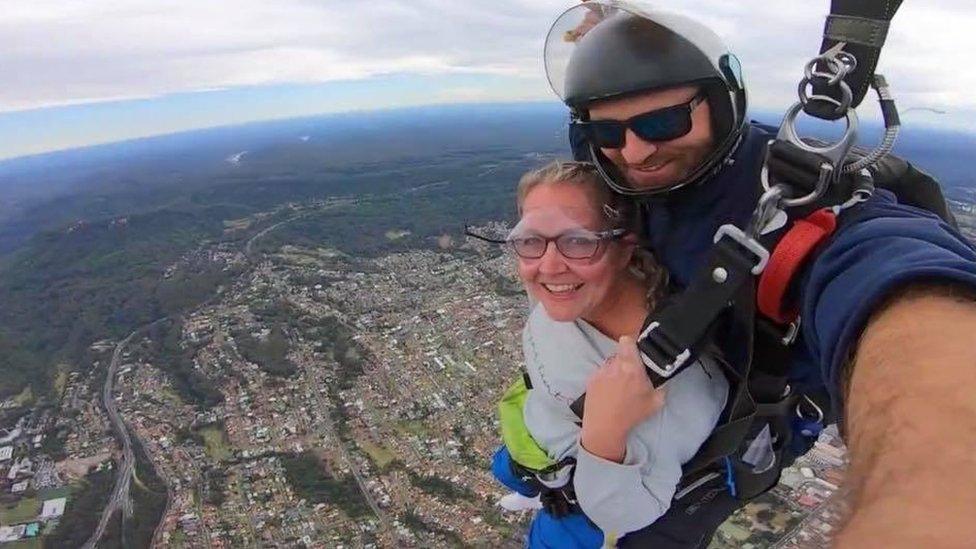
53, 508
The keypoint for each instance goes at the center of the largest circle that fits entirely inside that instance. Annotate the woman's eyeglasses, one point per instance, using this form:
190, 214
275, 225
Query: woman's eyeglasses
657, 125
572, 245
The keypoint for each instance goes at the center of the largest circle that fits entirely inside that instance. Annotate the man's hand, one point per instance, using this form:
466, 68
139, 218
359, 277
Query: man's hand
911, 425
618, 397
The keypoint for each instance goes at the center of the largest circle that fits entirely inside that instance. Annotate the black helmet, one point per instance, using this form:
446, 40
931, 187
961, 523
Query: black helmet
604, 48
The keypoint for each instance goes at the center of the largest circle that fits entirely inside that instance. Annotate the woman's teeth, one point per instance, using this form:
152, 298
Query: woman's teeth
561, 288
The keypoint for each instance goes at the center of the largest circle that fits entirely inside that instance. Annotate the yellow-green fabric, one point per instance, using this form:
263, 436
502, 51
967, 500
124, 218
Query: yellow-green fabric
521, 446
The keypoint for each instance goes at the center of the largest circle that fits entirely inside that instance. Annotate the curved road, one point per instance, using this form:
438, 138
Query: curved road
120, 493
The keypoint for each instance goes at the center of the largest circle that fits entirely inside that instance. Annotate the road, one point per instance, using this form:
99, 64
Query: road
120, 493
330, 432
335, 202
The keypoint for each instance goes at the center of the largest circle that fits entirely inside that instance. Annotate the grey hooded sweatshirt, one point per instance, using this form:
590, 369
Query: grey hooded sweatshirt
618, 497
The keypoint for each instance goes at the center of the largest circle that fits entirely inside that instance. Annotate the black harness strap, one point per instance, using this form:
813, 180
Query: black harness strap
730, 314
672, 338
863, 26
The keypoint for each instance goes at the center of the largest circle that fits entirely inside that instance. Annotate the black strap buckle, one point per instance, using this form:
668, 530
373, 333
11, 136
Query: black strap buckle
559, 502
654, 341
747, 242
674, 335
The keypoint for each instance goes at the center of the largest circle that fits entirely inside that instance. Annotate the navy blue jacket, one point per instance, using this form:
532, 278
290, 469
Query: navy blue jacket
878, 247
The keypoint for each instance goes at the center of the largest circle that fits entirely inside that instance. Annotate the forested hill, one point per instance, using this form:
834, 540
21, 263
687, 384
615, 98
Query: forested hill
111, 248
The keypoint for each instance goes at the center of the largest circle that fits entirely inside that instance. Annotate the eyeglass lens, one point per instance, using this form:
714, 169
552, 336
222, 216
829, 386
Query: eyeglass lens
570, 246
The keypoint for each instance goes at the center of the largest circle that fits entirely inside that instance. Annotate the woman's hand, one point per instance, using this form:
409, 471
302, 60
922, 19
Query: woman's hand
618, 397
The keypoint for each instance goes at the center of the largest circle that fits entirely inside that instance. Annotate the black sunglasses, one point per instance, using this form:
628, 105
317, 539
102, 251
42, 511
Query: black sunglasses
570, 245
658, 125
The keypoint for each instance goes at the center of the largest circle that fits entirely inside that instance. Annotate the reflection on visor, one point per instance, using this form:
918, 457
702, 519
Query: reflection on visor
571, 29
568, 29
594, 14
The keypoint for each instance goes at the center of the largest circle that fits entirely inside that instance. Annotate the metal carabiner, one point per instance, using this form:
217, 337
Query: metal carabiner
863, 192
766, 209
817, 409
836, 152
839, 63
827, 174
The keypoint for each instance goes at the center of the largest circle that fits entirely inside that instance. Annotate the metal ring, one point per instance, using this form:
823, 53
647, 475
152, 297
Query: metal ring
770, 193
847, 97
819, 411
823, 181
834, 153
826, 99
838, 69
768, 202
831, 78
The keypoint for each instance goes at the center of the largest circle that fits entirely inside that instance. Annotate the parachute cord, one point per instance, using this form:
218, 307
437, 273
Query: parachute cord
892, 126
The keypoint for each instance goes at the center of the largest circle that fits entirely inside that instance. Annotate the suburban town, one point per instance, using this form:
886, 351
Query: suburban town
323, 400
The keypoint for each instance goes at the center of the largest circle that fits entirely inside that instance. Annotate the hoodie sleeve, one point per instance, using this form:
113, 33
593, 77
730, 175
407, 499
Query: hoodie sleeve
879, 248
624, 497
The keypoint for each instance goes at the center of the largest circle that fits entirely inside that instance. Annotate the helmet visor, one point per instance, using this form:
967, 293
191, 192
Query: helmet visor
563, 36
601, 49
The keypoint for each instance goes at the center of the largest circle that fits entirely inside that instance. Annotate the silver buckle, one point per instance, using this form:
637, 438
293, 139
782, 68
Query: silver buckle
747, 242
667, 370
792, 332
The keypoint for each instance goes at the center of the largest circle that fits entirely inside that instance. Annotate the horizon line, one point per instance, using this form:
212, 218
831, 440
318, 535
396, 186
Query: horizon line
4, 160
269, 120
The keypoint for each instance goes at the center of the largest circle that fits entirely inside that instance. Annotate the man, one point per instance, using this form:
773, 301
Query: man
887, 307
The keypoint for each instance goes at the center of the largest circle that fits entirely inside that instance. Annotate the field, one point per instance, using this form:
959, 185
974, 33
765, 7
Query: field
25, 510
379, 454
215, 443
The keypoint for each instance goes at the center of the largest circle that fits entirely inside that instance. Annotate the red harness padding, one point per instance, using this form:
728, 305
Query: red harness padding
785, 262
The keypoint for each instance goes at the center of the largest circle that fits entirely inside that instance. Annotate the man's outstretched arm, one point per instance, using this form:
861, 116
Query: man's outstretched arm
910, 420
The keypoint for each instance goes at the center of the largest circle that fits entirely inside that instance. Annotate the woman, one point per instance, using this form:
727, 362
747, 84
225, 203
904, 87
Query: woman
591, 287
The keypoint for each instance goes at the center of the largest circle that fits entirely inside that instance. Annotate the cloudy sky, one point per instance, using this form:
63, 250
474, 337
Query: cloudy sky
78, 72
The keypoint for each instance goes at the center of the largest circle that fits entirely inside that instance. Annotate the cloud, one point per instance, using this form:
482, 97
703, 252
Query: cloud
56, 53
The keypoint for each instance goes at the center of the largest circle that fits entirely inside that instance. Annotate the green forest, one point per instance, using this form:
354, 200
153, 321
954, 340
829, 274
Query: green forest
94, 279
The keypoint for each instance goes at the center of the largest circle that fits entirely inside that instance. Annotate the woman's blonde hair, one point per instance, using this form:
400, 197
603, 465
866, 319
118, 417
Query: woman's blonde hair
620, 212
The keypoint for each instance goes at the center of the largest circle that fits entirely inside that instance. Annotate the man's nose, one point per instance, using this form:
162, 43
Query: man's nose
552, 261
635, 149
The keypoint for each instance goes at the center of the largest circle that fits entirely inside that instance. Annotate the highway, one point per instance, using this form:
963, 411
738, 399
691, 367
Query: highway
249, 245
120, 493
